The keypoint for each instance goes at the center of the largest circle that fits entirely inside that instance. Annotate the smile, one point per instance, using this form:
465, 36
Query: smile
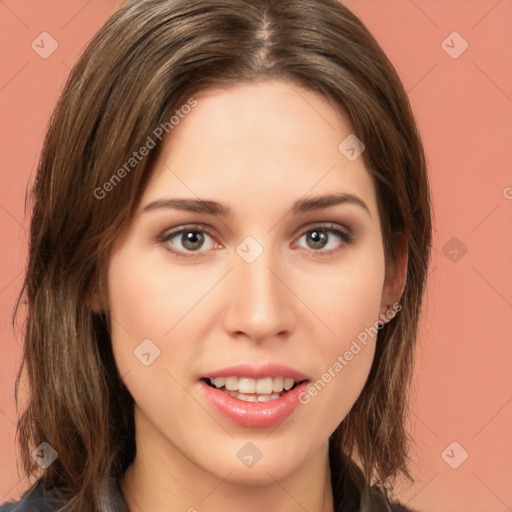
253, 390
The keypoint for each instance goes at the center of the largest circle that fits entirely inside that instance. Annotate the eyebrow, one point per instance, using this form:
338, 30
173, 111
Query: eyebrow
215, 208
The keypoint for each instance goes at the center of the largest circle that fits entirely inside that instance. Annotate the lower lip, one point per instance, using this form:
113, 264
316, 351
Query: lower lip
253, 414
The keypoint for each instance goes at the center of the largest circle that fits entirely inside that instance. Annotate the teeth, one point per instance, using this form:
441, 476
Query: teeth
231, 383
266, 398
288, 384
264, 386
253, 397
277, 384
246, 385
219, 382
267, 386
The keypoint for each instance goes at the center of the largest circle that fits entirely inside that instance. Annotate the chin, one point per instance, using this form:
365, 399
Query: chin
271, 461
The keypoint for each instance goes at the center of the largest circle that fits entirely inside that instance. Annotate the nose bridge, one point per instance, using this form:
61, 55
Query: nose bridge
259, 303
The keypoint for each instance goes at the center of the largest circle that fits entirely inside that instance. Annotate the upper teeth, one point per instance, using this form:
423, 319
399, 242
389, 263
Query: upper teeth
261, 386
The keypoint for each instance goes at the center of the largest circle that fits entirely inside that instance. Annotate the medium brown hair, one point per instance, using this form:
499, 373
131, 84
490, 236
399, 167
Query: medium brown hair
147, 60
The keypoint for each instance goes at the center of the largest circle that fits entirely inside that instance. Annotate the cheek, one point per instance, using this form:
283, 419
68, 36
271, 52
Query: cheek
138, 311
147, 296
143, 309
348, 299
154, 309
349, 302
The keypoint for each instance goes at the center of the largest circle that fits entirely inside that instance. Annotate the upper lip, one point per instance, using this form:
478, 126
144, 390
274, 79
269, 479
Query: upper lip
257, 371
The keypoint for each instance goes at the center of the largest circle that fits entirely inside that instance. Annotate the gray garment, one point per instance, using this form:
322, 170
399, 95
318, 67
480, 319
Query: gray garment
37, 500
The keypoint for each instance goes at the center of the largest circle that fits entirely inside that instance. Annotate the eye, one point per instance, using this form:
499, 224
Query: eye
190, 238
194, 238
320, 237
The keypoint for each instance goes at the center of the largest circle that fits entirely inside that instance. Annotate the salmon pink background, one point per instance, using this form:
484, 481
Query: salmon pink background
463, 388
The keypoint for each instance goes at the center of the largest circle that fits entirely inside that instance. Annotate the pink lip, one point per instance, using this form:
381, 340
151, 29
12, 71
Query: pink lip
257, 372
252, 414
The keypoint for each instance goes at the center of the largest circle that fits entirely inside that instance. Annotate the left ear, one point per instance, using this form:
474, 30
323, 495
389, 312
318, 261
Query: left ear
396, 275
93, 299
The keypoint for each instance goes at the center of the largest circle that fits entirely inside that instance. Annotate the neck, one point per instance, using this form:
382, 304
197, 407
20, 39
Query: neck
161, 478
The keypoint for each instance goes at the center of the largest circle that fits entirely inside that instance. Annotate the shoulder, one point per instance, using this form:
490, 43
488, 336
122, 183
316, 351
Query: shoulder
31, 500
379, 501
351, 492
35, 499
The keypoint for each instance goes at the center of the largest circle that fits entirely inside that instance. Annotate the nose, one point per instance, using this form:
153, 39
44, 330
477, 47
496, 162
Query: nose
260, 304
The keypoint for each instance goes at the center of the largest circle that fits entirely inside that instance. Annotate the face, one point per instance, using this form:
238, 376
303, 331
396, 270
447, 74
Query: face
266, 290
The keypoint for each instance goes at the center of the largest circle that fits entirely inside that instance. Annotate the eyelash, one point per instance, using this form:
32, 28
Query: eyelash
165, 237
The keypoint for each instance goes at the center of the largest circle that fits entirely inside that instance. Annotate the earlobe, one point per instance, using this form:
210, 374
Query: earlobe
94, 305
93, 301
395, 280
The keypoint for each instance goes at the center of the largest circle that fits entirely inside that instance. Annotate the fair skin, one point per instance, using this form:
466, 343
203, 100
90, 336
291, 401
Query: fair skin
256, 148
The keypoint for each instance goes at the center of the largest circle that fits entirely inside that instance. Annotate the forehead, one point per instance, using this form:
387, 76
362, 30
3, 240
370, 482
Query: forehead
257, 143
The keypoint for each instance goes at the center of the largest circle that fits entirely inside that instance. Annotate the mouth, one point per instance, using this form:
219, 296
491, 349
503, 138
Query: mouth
248, 389
254, 396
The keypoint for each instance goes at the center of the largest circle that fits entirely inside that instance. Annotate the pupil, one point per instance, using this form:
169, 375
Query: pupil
319, 238
194, 238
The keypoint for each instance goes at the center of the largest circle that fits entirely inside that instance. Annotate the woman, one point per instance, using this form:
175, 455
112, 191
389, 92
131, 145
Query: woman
229, 248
